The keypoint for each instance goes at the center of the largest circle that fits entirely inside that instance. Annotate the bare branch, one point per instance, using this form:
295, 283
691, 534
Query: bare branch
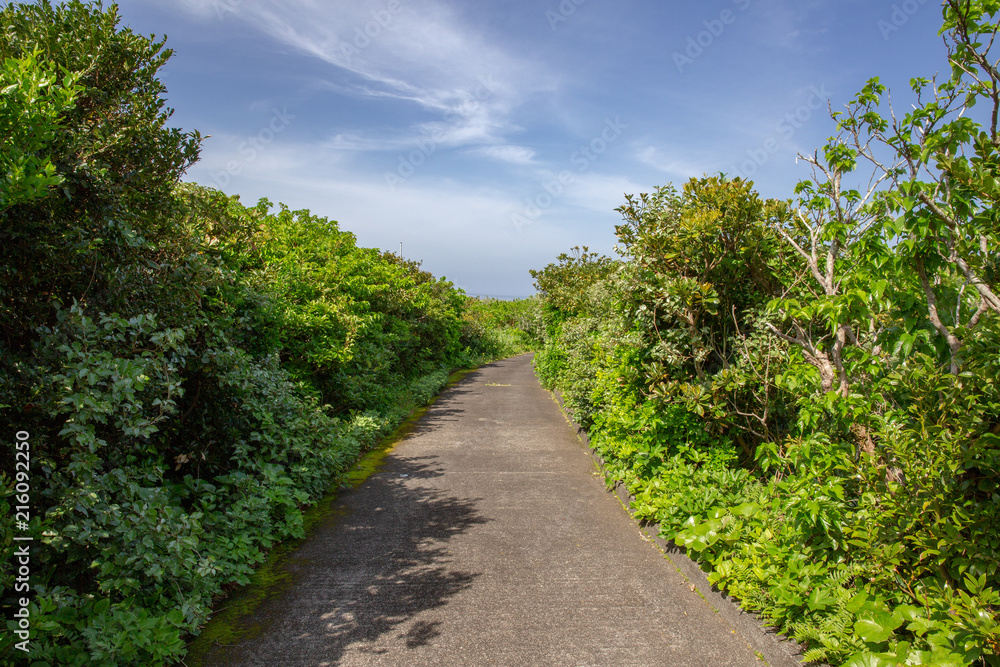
932, 310
982, 310
989, 297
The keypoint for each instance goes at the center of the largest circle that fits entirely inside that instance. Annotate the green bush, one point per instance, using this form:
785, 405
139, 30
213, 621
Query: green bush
496, 329
193, 372
803, 394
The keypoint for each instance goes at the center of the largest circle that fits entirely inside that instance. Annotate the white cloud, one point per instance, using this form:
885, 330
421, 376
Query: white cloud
602, 193
460, 230
520, 155
408, 51
670, 164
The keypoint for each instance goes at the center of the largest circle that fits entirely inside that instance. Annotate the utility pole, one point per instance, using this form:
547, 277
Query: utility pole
401, 250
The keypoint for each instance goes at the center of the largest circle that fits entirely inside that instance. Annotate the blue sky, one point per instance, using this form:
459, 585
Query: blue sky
488, 137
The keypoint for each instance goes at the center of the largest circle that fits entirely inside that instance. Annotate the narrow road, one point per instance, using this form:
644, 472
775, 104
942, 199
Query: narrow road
487, 538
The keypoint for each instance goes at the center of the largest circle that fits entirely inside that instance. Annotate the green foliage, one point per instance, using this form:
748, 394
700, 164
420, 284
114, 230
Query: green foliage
31, 101
499, 329
564, 286
576, 294
112, 147
193, 372
352, 322
104, 129
803, 395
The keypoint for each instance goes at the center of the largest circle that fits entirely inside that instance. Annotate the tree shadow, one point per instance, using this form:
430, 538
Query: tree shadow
445, 407
362, 577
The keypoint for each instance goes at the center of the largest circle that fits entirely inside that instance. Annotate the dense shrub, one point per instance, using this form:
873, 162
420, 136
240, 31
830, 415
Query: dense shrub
803, 394
192, 372
498, 328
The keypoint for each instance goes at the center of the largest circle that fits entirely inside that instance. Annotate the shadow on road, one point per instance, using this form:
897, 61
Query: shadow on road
443, 411
366, 574
390, 558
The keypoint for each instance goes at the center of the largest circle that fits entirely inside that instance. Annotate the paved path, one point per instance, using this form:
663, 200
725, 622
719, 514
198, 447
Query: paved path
488, 538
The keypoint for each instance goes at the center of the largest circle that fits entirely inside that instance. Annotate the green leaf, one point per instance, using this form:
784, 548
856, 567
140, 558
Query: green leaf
878, 628
867, 659
101, 607
745, 510
857, 603
820, 599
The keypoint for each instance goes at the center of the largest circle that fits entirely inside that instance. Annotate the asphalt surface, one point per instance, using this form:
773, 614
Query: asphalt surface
488, 538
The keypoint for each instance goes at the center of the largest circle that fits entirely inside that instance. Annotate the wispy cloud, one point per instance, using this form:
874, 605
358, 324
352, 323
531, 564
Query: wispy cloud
669, 163
519, 155
790, 26
602, 194
415, 52
457, 230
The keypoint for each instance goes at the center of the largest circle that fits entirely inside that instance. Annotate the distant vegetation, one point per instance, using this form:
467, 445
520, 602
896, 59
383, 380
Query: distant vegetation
191, 372
504, 328
804, 393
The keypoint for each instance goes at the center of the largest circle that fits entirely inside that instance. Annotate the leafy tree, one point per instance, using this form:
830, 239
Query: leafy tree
32, 100
701, 266
353, 322
853, 333
564, 285
115, 160
833, 278
933, 186
700, 260
578, 315
193, 372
